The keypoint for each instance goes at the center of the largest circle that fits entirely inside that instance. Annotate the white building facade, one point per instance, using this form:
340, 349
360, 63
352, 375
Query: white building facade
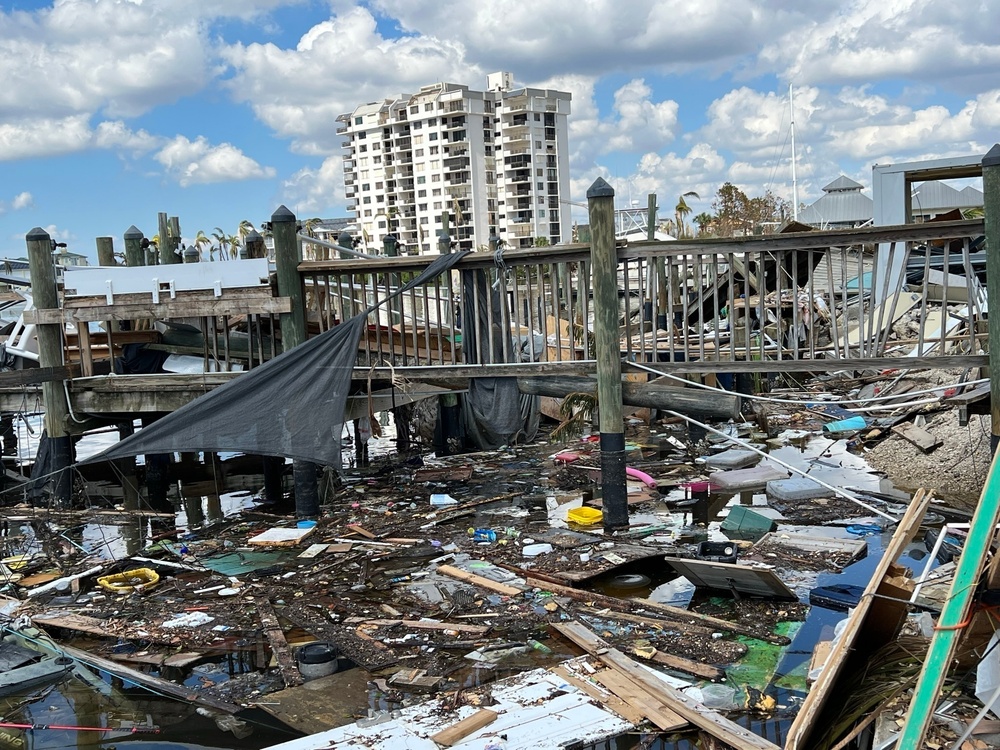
492, 161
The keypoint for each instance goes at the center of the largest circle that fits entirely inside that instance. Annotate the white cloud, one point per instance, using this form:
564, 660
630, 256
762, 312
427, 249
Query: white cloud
336, 66
866, 41
315, 192
22, 201
198, 162
27, 139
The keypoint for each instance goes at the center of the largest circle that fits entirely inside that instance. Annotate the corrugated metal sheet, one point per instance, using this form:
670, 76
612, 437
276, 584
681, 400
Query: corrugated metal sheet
839, 209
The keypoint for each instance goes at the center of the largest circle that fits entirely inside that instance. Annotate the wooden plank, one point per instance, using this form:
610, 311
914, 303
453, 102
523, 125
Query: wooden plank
227, 305
799, 734
688, 666
156, 684
428, 625
917, 436
35, 375
457, 732
603, 696
281, 537
313, 550
279, 646
955, 612
687, 708
674, 614
485, 583
653, 709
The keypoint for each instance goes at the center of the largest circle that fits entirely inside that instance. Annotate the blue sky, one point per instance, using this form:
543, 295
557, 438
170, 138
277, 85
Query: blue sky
218, 111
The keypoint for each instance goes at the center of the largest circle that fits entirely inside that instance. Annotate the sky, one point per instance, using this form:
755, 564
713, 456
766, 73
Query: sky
219, 111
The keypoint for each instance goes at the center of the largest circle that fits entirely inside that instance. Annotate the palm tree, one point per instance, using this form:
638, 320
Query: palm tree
681, 210
234, 245
704, 221
203, 239
223, 240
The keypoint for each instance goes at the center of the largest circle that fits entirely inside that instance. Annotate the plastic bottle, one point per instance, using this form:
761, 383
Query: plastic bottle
539, 646
484, 535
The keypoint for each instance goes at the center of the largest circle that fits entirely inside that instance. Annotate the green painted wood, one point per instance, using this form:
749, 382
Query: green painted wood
954, 612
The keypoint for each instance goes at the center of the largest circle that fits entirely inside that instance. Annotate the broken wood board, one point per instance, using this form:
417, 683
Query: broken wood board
279, 646
688, 666
361, 531
443, 474
599, 693
685, 707
486, 583
806, 721
314, 550
181, 660
339, 547
416, 679
854, 548
673, 615
648, 704
281, 536
420, 625
732, 577
457, 732
917, 436
156, 684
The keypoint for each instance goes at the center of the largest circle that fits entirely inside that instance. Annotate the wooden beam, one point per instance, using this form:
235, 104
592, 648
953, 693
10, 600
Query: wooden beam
229, 304
279, 646
675, 614
155, 684
799, 734
686, 708
458, 732
35, 375
485, 583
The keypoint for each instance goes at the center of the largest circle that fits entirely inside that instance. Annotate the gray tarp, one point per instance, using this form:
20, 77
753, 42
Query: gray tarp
292, 406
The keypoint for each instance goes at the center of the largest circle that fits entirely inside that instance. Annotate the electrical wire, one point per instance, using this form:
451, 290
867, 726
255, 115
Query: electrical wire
804, 402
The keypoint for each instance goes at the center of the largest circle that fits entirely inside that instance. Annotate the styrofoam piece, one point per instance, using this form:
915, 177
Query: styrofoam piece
734, 458
746, 479
797, 488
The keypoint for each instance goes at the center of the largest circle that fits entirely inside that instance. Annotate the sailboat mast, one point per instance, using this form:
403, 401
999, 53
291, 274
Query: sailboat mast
795, 184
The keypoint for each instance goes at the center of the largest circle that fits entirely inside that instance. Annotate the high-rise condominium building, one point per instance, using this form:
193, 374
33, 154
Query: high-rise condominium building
492, 161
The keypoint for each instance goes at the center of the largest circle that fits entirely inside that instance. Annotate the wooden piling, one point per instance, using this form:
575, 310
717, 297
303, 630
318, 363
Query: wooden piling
50, 354
134, 253
604, 261
293, 333
991, 209
164, 246
106, 251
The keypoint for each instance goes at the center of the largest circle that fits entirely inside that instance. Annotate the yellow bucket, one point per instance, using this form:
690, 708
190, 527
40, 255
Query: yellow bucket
127, 581
584, 516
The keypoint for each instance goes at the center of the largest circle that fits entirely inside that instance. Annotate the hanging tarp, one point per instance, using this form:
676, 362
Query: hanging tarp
292, 406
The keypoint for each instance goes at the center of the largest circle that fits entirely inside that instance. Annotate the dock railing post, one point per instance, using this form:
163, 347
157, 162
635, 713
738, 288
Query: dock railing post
604, 262
991, 211
50, 354
293, 333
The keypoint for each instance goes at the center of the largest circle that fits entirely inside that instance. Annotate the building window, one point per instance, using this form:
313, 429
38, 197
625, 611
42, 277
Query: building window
378, 185
362, 149
539, 173
418, 139
366, 199
541, 185
538, 145
436, 192
368, 212
421, 180
418, 152
421, 193
437, 205
429, 107
421, 206
435, 178
376, 160
417, 125
359, 121
537, 116
433, 137
414, 109
424, 220
433, 150
381, 225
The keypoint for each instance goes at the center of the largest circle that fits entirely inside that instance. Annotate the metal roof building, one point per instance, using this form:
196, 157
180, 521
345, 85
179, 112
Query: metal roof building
842, 206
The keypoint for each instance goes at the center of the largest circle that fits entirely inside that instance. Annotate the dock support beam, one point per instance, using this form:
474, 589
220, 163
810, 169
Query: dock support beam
604, 262
991, 210
293, 333
135, 255
50, 354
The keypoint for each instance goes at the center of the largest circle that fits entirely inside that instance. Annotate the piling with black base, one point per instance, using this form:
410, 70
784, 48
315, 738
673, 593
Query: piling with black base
991, 213
604, 262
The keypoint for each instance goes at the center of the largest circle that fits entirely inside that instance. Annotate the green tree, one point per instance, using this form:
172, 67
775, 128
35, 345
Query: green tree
201, 239
223, 239
703, 221
737, 215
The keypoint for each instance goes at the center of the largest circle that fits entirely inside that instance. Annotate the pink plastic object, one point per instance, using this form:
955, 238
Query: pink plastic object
641, 476
567, 458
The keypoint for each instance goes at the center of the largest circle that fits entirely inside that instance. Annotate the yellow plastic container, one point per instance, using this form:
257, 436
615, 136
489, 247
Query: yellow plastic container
139, 579
584, 516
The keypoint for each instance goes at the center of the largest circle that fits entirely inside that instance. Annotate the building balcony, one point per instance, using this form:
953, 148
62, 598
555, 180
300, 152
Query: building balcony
520, 217
341, 130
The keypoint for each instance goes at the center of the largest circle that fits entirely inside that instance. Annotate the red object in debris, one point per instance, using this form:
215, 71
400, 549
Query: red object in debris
567, 458
592, 439
949, 392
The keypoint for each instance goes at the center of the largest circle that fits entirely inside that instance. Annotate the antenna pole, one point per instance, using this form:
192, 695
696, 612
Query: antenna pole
795, 184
